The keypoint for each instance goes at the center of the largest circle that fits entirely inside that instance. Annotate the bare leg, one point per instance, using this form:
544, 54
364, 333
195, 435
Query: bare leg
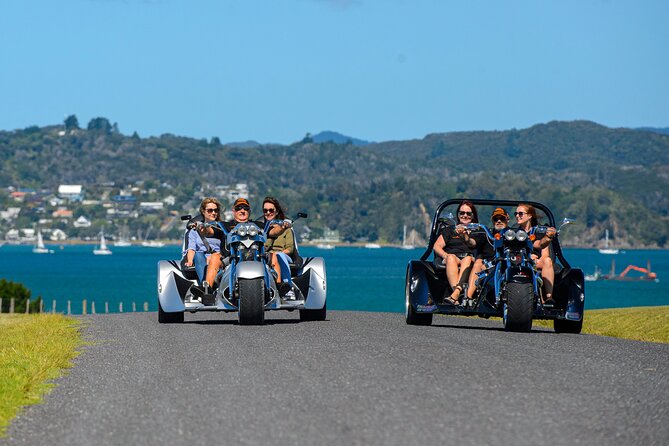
548, 276
213, 267
452, 266
477, 268
277, 268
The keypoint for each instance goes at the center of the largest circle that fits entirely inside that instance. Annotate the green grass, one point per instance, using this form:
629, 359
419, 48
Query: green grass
649, 324
34, 350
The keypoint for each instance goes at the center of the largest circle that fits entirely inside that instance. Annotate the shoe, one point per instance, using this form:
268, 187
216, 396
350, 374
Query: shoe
283, 288
453, 298
208, 299
290, 295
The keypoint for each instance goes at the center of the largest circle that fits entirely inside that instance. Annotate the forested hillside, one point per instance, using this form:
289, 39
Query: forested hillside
614, 179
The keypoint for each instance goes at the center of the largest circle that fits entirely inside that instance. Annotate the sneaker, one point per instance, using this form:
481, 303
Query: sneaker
290, 295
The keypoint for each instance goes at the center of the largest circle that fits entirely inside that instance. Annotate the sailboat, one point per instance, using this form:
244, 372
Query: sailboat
606, 249
39, 246
151, 243
405, 245
122, 239
102, 250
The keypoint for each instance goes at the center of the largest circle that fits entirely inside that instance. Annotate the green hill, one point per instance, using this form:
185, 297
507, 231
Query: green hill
606, 178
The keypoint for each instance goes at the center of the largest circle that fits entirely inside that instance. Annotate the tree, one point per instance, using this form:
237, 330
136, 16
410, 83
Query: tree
101, 125
20, 294
71, 123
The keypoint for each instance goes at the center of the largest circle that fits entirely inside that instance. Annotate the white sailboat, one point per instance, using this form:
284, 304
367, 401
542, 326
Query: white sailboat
122, 240
405, 245
606, 249
39, 246
151, 243
102, 250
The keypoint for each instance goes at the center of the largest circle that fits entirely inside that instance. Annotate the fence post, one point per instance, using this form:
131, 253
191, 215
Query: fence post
83, 306
120, 307
0, 304
92, 307
27, 306
53, 306
69, 307
106, 307
146, 306
41, 305
134, 307
11, 305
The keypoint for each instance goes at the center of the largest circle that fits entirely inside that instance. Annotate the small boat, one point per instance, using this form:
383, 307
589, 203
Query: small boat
372, 246
152, 244
597, 275
102, 250
405, 245
606, 249
122, 240
39, 246
324, 246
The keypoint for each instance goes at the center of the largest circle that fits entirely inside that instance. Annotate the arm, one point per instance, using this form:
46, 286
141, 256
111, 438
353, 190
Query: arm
439, 247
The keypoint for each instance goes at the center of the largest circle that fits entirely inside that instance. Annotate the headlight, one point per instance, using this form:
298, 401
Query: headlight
509, 235
521, 236
253, 230
242, 231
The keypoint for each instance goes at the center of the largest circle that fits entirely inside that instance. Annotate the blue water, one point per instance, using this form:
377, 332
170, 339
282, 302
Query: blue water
358, 278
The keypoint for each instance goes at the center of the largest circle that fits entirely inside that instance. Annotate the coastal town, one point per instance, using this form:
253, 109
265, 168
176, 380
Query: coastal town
143, 213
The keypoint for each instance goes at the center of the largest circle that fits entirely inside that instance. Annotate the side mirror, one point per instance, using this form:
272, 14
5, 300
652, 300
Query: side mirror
566, 221
186, 217
302, 215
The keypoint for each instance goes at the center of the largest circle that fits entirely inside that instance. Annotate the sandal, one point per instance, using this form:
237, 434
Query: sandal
453, 298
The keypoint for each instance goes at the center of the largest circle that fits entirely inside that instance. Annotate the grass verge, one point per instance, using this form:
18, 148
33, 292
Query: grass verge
649, 324
34, 349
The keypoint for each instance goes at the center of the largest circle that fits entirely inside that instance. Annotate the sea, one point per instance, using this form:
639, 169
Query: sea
359, 279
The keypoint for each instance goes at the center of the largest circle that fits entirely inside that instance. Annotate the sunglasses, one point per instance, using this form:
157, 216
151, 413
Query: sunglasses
269, 211
498, 219
242, 208
211, 211
519, 214
465, 213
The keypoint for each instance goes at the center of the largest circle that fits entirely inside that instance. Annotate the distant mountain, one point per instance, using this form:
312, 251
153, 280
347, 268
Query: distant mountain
660, 130
338, 138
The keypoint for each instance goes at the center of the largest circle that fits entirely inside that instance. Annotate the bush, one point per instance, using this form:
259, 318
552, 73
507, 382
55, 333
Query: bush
21, 296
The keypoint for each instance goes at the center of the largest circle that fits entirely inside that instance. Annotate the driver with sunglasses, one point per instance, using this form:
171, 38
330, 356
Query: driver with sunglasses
241, 211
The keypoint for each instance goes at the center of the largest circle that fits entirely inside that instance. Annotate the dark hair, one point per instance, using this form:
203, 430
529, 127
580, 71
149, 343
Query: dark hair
475, 217
534, 220
279, 210
208, 200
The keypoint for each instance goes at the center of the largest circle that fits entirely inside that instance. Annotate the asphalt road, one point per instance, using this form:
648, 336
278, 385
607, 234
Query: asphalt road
356, 379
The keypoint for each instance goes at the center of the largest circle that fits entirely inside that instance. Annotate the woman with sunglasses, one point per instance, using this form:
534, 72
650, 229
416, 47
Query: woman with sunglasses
280, 243
456, 248
200, 248
526, 217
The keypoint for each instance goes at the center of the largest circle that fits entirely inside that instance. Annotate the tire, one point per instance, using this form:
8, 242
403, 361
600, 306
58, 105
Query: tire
251, 301
565, 326
519, 305
169, 318
410, 315
314, 315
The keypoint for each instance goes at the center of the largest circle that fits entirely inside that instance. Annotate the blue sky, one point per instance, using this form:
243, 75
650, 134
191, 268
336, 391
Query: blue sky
273, 70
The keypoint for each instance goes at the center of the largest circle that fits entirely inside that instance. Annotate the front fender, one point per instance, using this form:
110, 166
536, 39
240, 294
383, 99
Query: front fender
424, 285
250, 270
172, 287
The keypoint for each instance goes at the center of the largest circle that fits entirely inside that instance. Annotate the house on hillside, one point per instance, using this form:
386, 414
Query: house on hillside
82, 222
71, 192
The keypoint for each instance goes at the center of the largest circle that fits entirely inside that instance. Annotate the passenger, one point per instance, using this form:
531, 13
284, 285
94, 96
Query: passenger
241, 212
456, 247
485, 251
526, 217
281, 247
200, 248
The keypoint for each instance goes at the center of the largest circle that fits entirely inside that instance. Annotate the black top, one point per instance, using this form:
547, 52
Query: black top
455, 243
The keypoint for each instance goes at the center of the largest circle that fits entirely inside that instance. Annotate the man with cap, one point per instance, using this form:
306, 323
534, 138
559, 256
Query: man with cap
500, 221
241, 211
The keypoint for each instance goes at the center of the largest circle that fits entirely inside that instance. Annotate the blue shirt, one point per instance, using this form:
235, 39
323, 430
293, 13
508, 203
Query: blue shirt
195, 243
